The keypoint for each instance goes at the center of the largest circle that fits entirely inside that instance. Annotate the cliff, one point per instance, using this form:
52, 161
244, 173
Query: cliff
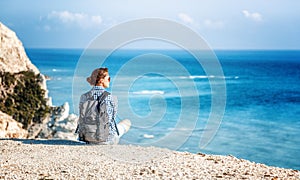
12, 54
23, 91
25, 109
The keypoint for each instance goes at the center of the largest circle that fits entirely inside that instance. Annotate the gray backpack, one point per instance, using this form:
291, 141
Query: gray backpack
93, 126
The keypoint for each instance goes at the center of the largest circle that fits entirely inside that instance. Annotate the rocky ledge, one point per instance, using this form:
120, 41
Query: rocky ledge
10, 128
61, 159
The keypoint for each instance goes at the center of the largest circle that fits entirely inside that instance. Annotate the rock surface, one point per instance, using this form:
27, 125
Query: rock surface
61, 124
58, 159
9, 128
13, 59
12, 54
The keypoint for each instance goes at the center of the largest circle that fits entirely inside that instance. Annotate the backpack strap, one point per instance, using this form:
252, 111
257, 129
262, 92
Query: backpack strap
100, 99
116, 127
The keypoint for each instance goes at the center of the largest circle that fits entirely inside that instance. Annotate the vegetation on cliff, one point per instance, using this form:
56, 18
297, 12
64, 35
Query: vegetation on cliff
22, 97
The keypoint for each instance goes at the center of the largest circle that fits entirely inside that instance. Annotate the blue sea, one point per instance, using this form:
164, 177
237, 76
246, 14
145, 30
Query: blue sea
169, 97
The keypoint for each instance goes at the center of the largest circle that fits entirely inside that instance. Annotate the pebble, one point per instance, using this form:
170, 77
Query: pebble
36, 159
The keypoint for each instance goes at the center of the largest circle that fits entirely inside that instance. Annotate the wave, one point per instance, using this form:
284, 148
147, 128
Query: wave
60, 70
148, 92
186, 129
193, 77
148, 136
207, 77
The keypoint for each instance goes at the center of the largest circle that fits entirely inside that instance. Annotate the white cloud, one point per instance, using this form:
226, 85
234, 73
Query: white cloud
206, 23
253, 16
185, 18
96, 19
81, 19
213, 24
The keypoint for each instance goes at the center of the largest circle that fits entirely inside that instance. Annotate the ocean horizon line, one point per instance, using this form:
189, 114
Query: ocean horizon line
152, 49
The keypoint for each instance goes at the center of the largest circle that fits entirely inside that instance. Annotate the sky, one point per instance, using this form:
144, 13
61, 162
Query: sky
230, 24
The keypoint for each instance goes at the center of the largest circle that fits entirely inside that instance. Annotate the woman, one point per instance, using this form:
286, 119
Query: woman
100, 80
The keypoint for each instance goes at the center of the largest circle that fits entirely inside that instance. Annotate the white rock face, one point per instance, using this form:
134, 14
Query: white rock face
61, 125
65, 124
66, 129
12, 54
